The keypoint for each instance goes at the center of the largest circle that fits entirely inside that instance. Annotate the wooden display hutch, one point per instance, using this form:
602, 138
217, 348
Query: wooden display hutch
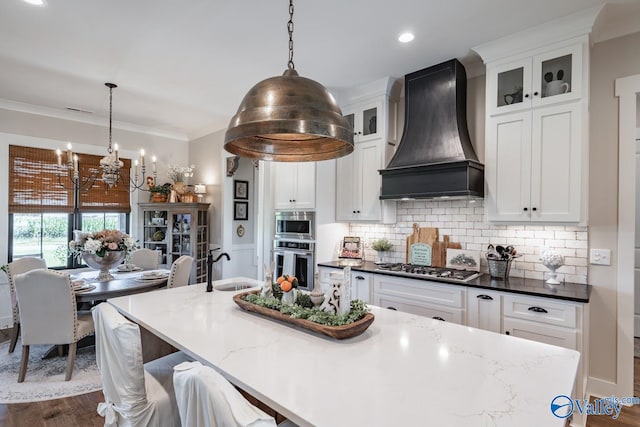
176, 229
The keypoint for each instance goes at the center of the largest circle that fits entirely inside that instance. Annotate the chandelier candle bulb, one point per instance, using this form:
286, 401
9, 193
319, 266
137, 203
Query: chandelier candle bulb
153, 160
142, 158
69, 153
75, 165
115, 147
135, 169
59, 154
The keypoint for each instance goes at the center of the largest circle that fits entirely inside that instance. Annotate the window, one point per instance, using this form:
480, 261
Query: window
43, 213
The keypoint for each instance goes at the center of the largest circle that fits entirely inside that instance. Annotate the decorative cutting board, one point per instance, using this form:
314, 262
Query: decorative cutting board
420, 245
439, 257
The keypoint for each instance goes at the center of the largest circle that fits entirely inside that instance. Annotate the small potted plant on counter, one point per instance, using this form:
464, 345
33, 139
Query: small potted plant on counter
159, 193
381, 246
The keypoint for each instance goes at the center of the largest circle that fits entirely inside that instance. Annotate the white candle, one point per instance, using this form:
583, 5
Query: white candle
115, 146
154, 163
69, 153
59, 154
75, 165
135, 169
142, 158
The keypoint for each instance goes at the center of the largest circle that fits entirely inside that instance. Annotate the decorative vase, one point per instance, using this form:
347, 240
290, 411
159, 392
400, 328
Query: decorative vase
381, 257
179, 187
317, 295
553, 260
289, 297
158, 198
103, 263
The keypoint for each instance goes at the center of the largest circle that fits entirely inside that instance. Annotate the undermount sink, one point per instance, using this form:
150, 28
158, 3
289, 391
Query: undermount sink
235, 286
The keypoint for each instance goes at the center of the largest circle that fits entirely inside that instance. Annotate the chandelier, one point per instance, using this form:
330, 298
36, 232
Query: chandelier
110, 165
289, 118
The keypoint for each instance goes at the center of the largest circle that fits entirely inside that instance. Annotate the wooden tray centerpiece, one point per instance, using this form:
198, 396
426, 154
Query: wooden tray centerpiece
339, 332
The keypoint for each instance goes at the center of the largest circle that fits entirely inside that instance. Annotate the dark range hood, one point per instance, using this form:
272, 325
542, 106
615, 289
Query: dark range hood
435, 157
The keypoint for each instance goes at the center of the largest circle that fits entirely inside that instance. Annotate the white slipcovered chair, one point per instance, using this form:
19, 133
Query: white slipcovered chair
145, 258
206, 399
180, 272
19, 266
136, 394
48, 314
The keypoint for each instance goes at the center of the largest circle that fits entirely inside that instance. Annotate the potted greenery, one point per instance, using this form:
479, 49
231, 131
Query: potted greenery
159, 193
381, 246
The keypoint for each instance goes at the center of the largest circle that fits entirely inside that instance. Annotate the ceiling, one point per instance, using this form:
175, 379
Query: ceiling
182, 67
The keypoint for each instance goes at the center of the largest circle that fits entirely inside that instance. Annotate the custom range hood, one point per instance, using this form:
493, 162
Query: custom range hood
435, 157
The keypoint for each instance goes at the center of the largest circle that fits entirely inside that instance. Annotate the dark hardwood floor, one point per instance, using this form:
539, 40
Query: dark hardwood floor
80, 411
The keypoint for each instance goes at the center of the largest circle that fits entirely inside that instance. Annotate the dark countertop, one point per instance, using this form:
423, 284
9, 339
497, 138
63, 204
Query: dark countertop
518, 285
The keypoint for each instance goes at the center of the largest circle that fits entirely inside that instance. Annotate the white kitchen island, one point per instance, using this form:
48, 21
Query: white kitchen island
404, 370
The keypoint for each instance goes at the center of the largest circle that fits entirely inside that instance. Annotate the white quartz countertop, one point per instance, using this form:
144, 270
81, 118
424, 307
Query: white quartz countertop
404, 370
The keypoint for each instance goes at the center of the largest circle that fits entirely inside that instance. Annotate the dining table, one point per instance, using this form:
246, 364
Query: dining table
403, 370
123, 283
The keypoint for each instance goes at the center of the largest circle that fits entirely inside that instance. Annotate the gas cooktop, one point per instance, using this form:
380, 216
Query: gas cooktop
435, 273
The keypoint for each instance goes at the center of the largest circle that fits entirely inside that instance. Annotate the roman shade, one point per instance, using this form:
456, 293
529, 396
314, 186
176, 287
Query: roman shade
34, 185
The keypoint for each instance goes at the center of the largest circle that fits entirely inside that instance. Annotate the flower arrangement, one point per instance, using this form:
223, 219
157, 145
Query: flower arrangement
286, 283
179, 173
99, 242
381, 245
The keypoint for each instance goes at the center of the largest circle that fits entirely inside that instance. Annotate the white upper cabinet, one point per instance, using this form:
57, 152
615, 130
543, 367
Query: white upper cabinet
543, 79
294, 185
537, 123
372, 112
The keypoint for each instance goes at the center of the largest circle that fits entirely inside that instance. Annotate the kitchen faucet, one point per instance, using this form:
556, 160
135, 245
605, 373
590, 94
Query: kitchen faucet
210, 262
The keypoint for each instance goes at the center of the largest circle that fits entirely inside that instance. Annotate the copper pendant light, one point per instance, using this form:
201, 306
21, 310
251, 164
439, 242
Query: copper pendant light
289, 119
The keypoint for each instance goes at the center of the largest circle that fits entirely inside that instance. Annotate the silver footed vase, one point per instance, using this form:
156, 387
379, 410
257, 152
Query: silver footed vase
103, 263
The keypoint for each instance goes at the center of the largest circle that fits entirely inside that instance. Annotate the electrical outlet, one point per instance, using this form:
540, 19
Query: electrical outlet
600, 256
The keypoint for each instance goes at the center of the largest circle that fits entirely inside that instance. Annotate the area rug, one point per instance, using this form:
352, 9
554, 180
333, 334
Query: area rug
45, 378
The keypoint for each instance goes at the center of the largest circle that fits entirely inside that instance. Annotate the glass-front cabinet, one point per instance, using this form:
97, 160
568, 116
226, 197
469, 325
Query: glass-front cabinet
176, 229
550, 77
363, 118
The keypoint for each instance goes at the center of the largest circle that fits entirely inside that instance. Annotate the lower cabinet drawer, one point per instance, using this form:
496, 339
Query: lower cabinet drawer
453, 315
562, 337
541, 310
422, 291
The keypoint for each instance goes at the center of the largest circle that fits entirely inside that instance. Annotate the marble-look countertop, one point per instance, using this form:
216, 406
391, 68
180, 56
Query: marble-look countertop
566, 291
404, 370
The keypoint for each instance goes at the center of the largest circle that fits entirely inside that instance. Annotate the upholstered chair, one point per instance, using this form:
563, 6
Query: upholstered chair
180, 272
19, 266
206, 398
48, 314
145, 258
136, 394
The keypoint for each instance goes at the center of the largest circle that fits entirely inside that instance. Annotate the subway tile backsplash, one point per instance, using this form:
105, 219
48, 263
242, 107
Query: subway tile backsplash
464, 221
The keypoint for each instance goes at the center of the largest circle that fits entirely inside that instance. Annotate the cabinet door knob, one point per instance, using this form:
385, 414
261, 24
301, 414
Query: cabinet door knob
526, 95
483, 296
294, 200
535, 93
537, 309
438, 318
392, 308
357, 211
359, 133
359, 278
525, 209
534, 209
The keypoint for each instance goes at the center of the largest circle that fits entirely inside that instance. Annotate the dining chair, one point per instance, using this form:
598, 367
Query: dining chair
19, 266
206, 398
48, 314
136, 394
145, 258
180, 272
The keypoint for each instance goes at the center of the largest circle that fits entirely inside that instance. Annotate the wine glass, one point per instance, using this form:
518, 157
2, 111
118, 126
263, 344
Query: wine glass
553, 260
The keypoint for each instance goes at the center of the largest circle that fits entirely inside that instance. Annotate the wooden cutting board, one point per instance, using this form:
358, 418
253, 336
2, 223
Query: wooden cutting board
439, 253
420, 245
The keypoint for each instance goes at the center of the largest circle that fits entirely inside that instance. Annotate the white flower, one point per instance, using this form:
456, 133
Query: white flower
129, 242
92, 246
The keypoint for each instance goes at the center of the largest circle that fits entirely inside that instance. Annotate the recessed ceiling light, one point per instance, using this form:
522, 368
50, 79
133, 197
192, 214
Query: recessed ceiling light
35, 2
406, 37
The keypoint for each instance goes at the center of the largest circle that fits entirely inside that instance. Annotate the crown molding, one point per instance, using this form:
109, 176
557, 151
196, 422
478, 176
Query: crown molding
87, 119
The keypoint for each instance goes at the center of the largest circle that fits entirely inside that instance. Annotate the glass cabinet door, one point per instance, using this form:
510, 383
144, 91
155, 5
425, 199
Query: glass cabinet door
558, 75
509, 87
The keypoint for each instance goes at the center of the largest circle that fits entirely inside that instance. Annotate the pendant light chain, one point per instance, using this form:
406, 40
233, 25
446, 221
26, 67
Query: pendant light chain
110, 150
290, 30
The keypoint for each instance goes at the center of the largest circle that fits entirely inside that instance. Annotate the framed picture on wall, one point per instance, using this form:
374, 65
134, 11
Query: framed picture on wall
240, 189
241, 211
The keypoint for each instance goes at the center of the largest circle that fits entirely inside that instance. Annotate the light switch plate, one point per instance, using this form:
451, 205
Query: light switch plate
600, 256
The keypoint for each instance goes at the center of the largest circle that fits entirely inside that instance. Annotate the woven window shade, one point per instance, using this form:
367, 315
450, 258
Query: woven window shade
99, 197
33, 182
34, 185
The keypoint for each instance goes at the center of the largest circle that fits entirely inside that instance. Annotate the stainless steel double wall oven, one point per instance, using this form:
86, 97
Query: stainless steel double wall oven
294, 246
